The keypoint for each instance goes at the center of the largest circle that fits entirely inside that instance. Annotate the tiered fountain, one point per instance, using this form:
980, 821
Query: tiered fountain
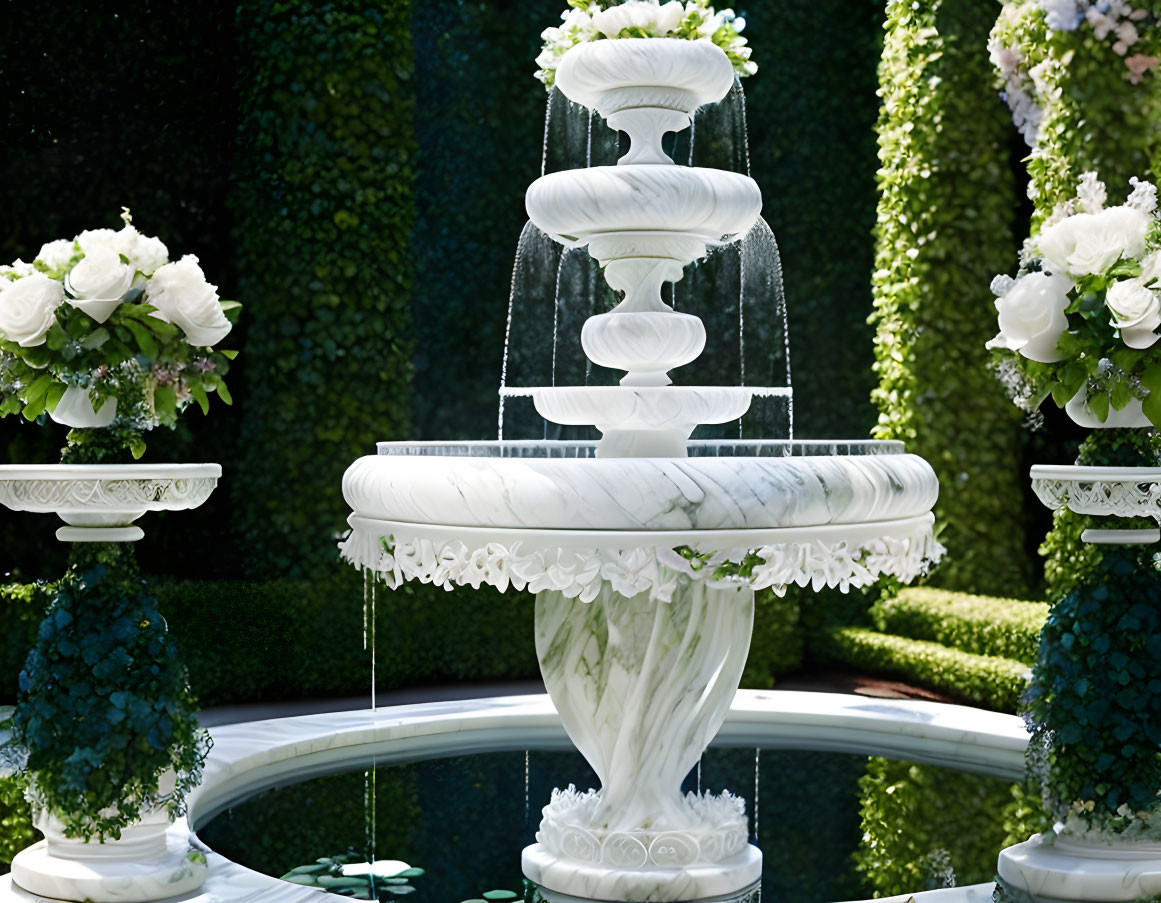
644, 557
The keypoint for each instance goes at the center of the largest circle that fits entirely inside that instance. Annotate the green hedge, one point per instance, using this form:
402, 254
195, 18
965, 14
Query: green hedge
990, 681
924, 825
981, 625
945, 228
324, 211
295, 639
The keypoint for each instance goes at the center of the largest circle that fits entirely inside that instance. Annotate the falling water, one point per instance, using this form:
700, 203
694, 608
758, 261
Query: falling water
547, 124
553, 291
740, 94
741, 331
699, 777
526, 820
370, 828
757, 760
369, 582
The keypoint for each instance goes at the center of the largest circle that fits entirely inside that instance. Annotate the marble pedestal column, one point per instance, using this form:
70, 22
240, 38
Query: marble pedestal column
642, 686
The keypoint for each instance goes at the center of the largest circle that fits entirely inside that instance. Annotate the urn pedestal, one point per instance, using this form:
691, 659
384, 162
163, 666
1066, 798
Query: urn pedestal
99, 504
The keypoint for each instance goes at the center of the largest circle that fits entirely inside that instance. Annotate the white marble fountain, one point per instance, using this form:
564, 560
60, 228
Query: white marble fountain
645, 552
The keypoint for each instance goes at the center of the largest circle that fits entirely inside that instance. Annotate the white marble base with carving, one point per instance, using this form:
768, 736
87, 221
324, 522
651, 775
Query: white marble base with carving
593, 881
149, 862
1083, 871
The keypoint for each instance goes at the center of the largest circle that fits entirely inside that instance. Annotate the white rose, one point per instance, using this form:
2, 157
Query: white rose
97, 239
181, 295
101, 274
28, 309
1151, 268
144, 254
1090, 243
17, 268
1032, 318
1136, 312
56, 254
648, 15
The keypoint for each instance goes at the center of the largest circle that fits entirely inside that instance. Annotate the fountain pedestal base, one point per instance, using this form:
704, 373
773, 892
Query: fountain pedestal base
105, 876
1083, 872
594, 881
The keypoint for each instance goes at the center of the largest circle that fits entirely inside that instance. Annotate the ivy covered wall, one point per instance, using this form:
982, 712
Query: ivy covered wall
325, 209
947, 202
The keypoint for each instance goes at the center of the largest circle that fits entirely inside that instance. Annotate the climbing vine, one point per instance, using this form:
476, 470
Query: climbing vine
945, 224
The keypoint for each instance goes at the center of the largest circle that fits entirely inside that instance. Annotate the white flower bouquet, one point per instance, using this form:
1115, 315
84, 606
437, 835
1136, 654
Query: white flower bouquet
104, 330
1079, 322
693, 20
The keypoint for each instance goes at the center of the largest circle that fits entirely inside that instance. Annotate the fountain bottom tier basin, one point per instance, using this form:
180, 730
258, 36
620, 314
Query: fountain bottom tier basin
458, 786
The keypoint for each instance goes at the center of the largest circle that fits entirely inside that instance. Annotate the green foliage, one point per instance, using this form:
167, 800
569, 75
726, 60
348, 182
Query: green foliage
926, 827
1096, 696
990, 681
945, 226
297, 639
234, 636
16, 830
777, 645
981, 625
1094, 118
104, 708
324, 211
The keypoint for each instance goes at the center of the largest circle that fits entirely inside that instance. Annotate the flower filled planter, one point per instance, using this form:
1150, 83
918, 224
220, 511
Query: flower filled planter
1079, 322
597, 20
104, 331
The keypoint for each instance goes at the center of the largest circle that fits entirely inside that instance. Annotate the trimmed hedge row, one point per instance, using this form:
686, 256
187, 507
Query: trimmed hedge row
981, 625
294, 639
945, 227
325, 209
986, 680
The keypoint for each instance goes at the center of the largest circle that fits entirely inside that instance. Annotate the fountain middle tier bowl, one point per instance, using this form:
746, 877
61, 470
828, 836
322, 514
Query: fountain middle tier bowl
644, 210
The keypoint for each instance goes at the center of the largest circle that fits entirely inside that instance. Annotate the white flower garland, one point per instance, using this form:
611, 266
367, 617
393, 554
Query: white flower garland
580, 573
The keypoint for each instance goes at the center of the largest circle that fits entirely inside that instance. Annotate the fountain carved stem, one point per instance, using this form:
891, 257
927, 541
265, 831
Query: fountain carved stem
642, 686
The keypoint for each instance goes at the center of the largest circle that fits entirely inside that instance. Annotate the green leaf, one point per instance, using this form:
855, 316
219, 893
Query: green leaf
1098, 404
228, 355
230, 305
38, 389
223, 392
137, 446
1120, 394
144, 339
56, 338
165, 400
37, 357
96, 339
53, 396
199, 394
